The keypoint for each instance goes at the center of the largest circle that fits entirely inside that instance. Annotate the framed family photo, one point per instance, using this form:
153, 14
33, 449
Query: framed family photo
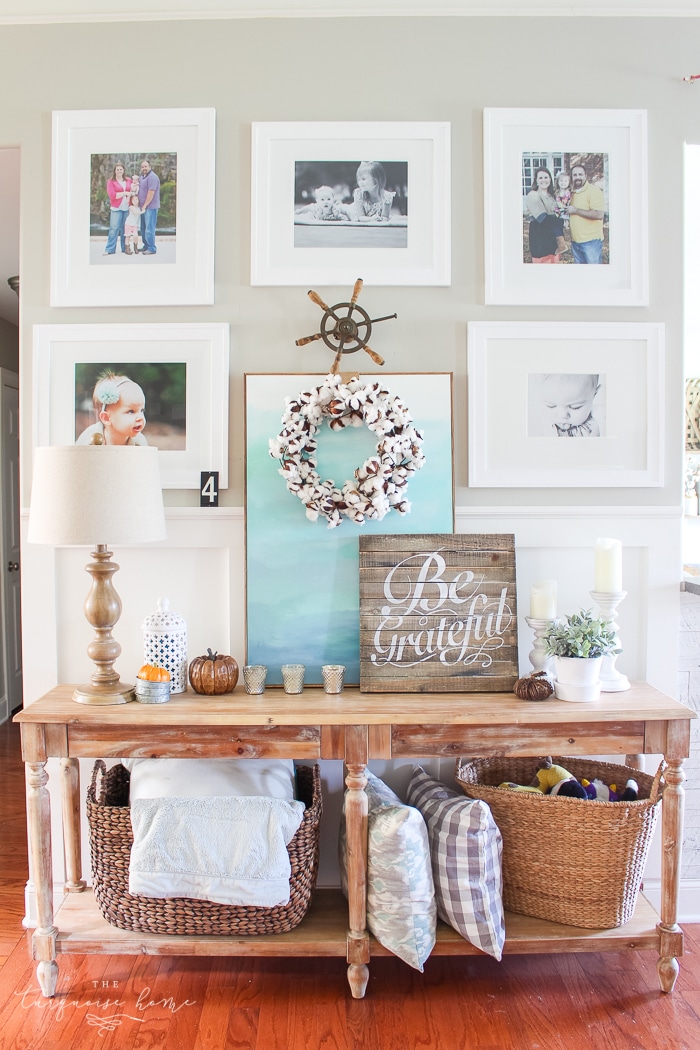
143, 384
335, 201
566, 405
566, 188
132, 207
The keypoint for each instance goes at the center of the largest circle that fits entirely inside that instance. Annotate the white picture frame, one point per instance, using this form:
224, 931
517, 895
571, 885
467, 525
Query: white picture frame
515, 140
182, 270
401, 249
512, 439
197, 353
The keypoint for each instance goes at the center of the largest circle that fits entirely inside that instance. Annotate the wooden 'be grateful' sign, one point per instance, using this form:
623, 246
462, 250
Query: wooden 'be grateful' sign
438, 614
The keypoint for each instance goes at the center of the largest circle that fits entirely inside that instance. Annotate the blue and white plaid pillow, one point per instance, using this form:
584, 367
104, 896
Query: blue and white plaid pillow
466, 850
401, 908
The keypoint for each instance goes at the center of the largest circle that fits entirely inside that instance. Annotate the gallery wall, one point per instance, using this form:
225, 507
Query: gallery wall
417, 69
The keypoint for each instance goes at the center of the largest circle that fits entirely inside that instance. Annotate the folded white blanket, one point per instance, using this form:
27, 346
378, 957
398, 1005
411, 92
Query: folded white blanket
231, 850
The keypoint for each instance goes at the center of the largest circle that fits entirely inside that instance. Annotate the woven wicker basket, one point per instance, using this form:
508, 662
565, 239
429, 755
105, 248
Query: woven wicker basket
111, 838
567, 860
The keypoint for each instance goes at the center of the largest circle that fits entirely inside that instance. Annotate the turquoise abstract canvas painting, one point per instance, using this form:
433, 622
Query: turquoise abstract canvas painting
302, 577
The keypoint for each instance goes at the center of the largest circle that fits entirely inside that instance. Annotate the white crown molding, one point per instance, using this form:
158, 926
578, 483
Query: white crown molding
29, 12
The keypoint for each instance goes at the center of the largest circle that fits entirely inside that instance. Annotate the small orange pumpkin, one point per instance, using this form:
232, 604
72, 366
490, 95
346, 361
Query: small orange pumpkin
153, 673
213, 674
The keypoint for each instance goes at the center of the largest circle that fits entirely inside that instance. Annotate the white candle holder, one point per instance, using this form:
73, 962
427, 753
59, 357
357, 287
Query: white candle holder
537, 655
611, 680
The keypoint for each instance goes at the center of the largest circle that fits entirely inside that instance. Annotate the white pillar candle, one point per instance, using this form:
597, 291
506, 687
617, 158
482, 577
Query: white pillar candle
543, 600
608, 566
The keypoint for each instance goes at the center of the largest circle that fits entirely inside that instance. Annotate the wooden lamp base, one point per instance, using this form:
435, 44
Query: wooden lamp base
103, 608
119, 693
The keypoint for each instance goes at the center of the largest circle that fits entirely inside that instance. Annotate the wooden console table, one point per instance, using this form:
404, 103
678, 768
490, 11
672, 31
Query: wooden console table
352, 728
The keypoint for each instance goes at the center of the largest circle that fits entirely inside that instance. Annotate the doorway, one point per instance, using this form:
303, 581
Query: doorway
10, 627
9, 547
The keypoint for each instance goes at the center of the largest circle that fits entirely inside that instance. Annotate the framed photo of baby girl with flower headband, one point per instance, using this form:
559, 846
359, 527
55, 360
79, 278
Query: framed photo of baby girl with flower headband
567, 188
132, 207
137, 384
565, 405
321, 211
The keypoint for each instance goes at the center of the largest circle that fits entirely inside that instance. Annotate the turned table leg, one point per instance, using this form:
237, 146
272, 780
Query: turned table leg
70, 802
39, 818
671, 935
356, 835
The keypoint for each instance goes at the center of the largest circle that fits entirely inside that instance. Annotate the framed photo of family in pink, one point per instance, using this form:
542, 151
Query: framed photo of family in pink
137, 384
132, 207
321, 211
599, 386
566, 188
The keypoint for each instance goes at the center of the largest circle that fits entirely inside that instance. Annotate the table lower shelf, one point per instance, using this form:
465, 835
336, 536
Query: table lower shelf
323, 931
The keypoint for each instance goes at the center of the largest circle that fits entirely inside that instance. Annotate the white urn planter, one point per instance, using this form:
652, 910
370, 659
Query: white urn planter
577, 679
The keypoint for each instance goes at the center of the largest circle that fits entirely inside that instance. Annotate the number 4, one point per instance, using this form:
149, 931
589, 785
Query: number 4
209, 489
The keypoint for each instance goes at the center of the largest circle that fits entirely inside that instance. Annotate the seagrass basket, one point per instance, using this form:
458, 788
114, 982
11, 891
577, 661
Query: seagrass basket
111, 838
568, 860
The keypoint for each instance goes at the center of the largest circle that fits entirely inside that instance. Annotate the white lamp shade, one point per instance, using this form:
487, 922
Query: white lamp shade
90, 494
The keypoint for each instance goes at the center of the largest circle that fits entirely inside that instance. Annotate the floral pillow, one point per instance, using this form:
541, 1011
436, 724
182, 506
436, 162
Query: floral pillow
401, 908
466, 850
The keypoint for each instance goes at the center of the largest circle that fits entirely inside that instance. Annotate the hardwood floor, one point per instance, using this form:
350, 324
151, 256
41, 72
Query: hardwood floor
539, 1002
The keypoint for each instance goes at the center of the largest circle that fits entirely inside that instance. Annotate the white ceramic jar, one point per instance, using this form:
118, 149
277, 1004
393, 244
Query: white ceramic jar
165, 644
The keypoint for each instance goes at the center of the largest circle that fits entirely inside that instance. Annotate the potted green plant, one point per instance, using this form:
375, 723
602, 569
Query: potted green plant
578, 644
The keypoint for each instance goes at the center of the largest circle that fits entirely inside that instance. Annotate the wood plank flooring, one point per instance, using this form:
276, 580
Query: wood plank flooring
540, 1002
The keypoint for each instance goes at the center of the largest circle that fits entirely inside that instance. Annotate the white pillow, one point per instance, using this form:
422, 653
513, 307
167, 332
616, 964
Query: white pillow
205, 777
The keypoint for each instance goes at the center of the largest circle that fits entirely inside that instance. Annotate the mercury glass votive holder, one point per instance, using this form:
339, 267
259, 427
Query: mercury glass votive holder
254, 676
293, 678
333, 677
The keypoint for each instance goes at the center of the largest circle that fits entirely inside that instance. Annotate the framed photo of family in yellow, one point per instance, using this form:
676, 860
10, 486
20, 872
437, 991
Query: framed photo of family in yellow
565, 404
132, 207
333, 201
566, 188
137, 384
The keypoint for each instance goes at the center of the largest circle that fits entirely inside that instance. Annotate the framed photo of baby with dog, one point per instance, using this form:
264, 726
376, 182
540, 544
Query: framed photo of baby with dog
568, 189
332, 202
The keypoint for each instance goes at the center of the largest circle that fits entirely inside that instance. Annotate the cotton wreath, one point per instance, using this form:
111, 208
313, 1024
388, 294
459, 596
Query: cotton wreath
380, 483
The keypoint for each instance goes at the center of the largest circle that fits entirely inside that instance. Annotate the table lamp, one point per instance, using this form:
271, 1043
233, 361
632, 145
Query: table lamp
91, 494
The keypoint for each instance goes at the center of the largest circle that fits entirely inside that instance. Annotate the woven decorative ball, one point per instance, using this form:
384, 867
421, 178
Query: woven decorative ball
165, 644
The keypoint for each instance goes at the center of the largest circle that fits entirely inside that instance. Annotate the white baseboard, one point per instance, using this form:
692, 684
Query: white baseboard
688, 898
31, 915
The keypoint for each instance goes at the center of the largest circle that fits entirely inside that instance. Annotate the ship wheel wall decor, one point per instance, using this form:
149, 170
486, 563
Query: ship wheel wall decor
345, 328
379, 485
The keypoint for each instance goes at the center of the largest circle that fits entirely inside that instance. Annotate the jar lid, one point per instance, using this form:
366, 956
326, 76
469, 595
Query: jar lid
163, 621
